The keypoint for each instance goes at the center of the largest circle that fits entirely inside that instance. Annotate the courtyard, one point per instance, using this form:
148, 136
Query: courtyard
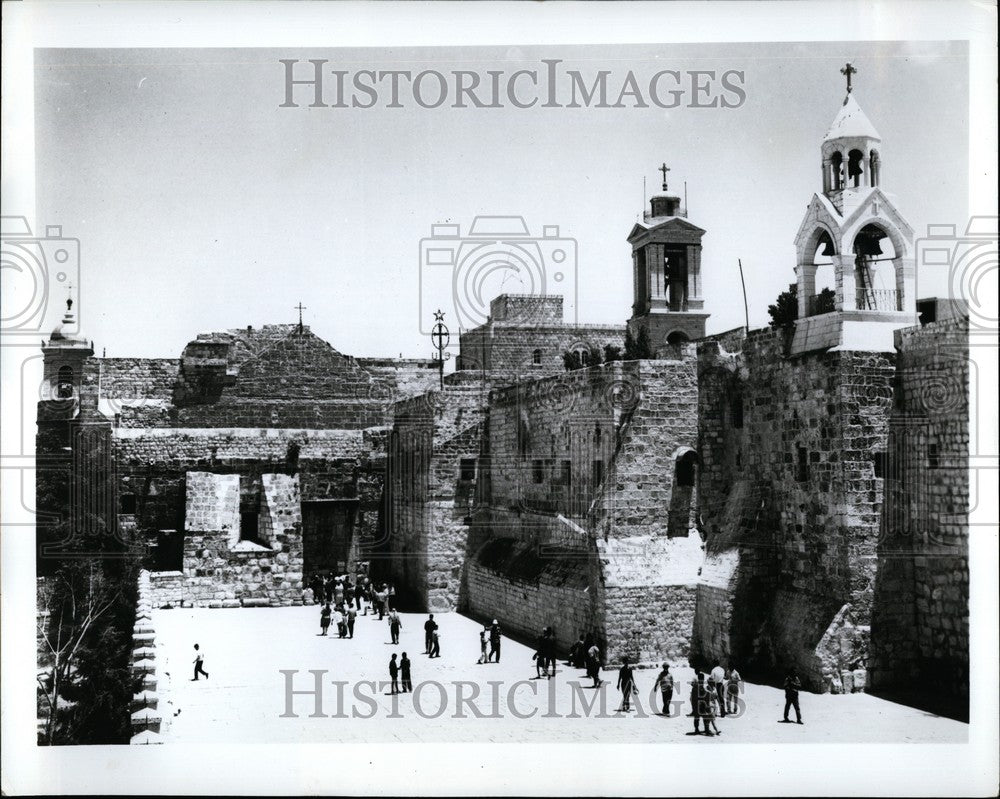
244, 700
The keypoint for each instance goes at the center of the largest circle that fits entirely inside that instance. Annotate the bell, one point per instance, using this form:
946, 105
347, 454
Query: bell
827, 246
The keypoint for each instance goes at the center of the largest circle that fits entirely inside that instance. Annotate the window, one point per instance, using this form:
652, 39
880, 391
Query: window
737, 411
685, 470
802, 466
536, 357
933, 458
248, 525
64, 382
597, 473
538, 470
567, 473
467, 470
127, 504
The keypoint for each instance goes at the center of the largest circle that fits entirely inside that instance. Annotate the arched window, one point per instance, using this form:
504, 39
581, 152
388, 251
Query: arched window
837, 171
685, 470
677, 337
855, 167
64, 382
536, 357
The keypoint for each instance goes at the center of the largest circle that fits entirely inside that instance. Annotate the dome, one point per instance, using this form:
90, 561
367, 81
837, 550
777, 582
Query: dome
68, 321
851, 123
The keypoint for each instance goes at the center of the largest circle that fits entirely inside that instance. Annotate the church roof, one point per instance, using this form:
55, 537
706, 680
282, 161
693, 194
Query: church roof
851, 122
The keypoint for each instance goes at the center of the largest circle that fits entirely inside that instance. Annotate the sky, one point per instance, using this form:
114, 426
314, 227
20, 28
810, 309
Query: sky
201, 204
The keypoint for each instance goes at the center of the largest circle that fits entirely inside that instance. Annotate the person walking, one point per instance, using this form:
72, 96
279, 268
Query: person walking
328, 589
382, 599
324, 619
792, 688
199, 663
429, 627
665, 682
494, 641
352, 616
393, 675
338, 619
394, 626
549, 651
482, 646
435, 644
594, 665
733, 691
699, 679
626, 684
709, 708
718, 681
391, 597
404, 673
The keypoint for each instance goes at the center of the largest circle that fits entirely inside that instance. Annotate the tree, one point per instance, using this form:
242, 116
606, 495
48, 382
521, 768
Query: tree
785, 309
571, 360
638, 347
612, 353
826, 301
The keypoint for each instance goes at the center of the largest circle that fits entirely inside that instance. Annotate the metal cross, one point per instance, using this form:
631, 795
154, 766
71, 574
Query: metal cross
300, 307
664, 169
848, 71
440, 337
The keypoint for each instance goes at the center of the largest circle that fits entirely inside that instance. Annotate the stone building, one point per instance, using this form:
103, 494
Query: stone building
786, 497
255, 458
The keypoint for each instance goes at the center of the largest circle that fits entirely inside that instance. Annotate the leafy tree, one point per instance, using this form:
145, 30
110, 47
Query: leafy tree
612, 353
571, 360
826, 301
638, 347
785, 309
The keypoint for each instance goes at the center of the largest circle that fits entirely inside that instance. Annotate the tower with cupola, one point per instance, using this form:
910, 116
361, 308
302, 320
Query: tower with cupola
666, 272
853, 226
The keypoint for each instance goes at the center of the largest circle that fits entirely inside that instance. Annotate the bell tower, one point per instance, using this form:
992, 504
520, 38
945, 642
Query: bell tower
666, 272
853, 226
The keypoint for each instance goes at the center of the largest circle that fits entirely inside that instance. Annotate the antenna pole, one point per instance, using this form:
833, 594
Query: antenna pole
746, 308
642, 206
685, 198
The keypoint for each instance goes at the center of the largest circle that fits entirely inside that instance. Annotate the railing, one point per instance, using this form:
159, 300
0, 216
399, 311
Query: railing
877, 300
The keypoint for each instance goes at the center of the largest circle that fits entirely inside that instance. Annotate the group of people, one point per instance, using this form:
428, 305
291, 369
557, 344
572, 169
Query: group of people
400, 680
586, 654
545, 654
714, 696
338, 590
489, 634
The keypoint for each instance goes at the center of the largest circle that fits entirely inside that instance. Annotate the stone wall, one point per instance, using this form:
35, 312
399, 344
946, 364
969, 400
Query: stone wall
920, 627
790, 501
431, 495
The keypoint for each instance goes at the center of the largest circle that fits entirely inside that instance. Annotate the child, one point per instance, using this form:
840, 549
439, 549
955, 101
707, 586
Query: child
482, 646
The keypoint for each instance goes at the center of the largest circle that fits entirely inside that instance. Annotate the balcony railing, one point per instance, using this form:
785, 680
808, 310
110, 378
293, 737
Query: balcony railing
878, 300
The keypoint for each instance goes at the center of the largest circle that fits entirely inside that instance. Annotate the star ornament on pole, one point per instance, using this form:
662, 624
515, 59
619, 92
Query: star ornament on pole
440, 337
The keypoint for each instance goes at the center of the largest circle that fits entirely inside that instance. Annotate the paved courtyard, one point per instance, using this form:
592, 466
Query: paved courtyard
244, 698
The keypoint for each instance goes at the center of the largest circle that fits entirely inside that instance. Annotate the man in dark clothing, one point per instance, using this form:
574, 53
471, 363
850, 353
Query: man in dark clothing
494, 641
393, 675
626, 684
199, 663
792, 688
429, 627
435, 644
404, 668
394, 626
352, 615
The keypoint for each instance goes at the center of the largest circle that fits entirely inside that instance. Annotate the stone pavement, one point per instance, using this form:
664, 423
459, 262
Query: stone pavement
244, 698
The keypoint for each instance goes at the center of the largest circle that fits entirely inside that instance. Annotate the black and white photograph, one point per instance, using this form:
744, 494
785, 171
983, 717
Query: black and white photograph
500, 398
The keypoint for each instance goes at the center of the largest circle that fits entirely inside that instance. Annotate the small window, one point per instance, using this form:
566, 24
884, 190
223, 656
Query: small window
536, 357
597, 473
567, 472
127, 504
467, 470
248, 525
597, 434
933, 459
538, 470
802, 466
737, 411
685, 470
64, 382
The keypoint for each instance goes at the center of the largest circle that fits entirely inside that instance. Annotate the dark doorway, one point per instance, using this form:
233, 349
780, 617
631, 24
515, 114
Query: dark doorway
327, 532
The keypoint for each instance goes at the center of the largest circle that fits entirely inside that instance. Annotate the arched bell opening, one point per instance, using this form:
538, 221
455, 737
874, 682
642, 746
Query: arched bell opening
876, 268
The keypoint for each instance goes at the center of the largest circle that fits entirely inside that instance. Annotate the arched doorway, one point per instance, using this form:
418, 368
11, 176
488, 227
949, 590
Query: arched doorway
682, 498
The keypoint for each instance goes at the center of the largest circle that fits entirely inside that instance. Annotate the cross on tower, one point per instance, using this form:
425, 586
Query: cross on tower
664, 169
300, 307
848, 71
